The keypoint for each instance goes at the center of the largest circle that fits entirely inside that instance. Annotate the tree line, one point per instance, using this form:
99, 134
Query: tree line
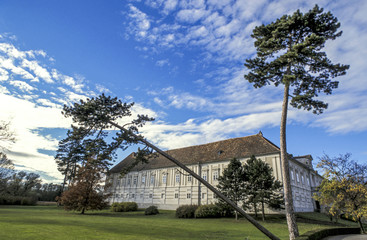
20, 187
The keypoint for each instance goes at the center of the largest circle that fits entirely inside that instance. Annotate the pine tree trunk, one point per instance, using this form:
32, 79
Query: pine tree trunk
288, 199
263, 210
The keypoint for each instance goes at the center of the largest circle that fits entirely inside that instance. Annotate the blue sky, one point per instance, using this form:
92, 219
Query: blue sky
180, 61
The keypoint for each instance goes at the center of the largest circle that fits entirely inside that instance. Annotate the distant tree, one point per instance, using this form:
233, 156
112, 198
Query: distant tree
262, 187
6, 138
344, 187
6, 135
289, 54
48, 191
6, 171
232, 183
22, 183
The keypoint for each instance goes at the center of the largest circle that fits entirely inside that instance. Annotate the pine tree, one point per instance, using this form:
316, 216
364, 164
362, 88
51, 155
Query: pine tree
262, 187
232, 183
289, 54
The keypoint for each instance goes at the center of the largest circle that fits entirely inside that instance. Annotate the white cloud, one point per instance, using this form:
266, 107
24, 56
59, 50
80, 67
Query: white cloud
22, 85
191, 15
25, 118
162, 63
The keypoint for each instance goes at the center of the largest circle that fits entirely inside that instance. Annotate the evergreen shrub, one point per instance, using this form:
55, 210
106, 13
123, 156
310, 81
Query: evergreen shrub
152, 210
208, 211
124, 207
186, 211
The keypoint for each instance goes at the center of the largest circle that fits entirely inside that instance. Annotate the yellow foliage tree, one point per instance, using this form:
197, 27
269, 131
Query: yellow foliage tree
344, 188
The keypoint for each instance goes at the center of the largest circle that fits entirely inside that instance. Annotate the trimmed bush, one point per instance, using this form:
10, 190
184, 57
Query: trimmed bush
208, 211
152, 210
186, 211
319, 234
130, 206
117, 207
124, 207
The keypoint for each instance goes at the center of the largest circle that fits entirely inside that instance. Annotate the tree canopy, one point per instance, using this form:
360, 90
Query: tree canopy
232, 182
90, 147
289, 53
262, 187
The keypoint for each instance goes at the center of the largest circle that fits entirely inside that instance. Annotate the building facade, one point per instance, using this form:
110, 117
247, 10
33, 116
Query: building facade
165, 185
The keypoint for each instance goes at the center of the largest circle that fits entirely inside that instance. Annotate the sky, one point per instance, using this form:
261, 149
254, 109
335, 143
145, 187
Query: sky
180, 61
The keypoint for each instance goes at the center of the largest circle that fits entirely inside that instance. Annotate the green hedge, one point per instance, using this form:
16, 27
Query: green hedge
319, 234
124, 207
208, 211
186, 211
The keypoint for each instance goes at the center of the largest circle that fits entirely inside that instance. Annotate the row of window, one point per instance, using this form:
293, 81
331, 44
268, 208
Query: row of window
188, 195
164, 179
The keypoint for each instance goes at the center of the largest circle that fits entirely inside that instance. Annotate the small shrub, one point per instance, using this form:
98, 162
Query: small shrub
117, 207
208, 211
130, 206
152, 210
186, 211
124, 207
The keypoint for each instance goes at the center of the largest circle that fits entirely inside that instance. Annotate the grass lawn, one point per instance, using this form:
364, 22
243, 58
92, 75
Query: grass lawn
51, 222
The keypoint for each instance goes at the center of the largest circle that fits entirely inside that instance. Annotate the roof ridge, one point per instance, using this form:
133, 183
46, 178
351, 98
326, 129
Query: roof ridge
224, 140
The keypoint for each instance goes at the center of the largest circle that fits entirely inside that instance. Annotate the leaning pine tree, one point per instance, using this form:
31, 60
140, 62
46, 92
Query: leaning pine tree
289, 54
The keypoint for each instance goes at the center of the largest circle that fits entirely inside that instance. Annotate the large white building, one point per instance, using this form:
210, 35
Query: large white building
163, 184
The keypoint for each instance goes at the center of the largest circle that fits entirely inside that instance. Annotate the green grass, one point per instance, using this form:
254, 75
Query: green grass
51, 222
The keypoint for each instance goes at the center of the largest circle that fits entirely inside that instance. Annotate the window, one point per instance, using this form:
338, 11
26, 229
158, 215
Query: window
203, 195
292, 175
135, 180
151, 179
177, 178
162, 195
188, 195
215, 196
176, 195
189, 178
150, 195
308, 181
303, 180
129, 181
297, 176
204, 176
164, 179
143, 179
215, 175
133, 195
141, 196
